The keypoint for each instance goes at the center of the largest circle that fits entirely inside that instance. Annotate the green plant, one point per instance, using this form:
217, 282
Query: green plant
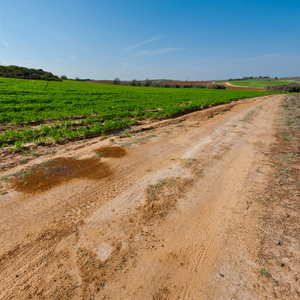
264, 272
100, 154
101, 109
153, 189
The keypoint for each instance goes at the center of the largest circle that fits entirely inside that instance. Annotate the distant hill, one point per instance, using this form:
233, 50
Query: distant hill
25, 73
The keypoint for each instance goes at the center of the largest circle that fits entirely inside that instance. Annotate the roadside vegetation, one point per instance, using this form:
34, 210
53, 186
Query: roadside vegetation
292, 87
258, 83
280, 224
42, 112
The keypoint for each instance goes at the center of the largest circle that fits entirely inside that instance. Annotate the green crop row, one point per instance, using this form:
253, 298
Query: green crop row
76, 109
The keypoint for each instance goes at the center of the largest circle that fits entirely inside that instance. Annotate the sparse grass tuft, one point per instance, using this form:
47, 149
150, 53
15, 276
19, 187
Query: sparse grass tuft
264, 272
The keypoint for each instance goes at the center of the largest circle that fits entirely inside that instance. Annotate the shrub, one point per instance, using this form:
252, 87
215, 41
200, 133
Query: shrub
116, 81
292, 87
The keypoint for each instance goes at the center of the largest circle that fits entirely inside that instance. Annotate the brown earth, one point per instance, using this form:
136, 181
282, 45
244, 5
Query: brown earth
169, 210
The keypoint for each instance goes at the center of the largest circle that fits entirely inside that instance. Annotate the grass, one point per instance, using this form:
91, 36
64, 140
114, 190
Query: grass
280, 206
257, 83
153, 190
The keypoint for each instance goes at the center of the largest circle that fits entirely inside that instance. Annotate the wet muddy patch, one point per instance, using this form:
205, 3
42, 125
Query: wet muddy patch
115, 152
58, 171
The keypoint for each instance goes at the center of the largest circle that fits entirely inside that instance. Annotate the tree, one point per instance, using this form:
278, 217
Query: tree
147, 82
117, 81
63, 77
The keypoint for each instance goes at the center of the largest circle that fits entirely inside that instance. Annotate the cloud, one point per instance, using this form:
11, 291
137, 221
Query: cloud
144, 42
72, 57
5, 43
264, 56
157, 51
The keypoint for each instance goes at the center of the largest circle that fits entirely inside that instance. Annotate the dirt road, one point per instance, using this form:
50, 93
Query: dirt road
164, 219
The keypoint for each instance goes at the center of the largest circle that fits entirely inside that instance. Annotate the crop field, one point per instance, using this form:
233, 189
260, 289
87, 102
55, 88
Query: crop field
258, 83
44, 112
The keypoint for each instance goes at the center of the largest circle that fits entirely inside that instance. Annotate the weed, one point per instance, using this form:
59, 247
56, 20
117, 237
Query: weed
274, 279
281, 264
264, 272
152, 190
48, 162
5, 178
99, 155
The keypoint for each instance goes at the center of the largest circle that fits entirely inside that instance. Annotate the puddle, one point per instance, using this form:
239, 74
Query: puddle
58, 171
111, 152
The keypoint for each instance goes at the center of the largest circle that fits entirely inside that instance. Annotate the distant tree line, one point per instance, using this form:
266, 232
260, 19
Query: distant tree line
252, 78
64, 77
168, 84
26, 73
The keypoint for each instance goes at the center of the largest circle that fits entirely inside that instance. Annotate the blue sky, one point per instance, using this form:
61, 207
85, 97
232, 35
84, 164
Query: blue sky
194, 40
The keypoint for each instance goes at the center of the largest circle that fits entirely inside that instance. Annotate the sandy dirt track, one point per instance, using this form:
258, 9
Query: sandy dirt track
163, 222
241, 88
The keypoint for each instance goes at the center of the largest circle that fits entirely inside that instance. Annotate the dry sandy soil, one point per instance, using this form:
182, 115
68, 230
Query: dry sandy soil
178, 209
240, 88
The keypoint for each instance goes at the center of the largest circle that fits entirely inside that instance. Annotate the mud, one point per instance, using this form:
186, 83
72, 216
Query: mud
59, 171
114, 152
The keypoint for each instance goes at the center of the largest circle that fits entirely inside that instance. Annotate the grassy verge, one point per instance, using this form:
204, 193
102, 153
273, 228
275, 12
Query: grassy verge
280, 222
257, 83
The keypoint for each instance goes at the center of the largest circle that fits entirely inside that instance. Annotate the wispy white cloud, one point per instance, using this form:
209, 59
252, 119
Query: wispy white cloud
271, 55
72, 57
5, 43
144, 42
157, 51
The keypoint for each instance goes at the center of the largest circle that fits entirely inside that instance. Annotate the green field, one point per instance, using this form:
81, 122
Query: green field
47, 112
257, 83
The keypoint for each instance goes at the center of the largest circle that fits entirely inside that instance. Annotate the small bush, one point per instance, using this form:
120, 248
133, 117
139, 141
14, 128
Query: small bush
116, 81
292, 87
